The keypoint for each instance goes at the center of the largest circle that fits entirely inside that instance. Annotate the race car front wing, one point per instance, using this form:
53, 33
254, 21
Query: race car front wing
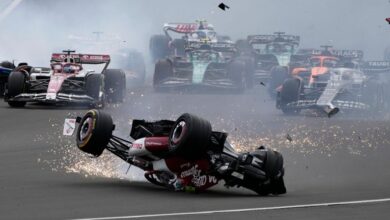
52, 98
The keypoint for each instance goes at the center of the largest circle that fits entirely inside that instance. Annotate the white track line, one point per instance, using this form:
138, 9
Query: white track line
242, 210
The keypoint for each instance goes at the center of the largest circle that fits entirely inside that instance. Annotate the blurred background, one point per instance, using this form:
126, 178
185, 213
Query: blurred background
32, 29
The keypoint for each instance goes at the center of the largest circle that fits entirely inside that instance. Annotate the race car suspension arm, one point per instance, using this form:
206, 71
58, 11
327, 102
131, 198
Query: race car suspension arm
119, 147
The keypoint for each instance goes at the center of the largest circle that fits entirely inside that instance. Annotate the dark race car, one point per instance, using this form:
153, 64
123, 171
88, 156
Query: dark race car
273, 55
72, 78
6, 68
205, 65
182, 155
162, 46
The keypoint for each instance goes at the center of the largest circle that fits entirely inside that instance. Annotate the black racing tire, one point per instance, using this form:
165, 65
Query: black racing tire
159, 47
94, 132
236, 72
179, 45
2, 88
274, 170
94, 85
114, 85
278, 75
290, 92
163, 69
250, 65
16, 85
190, 136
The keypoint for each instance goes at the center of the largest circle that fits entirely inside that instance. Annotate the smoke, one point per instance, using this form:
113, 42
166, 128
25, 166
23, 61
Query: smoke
36, 28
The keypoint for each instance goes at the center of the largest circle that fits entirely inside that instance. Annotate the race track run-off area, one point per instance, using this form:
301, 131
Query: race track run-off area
336, 168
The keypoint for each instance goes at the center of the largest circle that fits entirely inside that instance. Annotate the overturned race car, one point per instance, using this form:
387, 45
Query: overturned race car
183, 155
72, 78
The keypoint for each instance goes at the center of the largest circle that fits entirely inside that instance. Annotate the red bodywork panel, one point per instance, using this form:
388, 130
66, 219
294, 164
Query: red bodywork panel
83, 58
191, 172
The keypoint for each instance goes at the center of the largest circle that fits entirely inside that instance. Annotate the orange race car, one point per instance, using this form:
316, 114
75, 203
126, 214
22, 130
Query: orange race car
319, 63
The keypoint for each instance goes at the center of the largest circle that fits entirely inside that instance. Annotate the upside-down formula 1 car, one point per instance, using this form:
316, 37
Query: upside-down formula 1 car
332, 89
205, 65
6, 68
72, 78
183, 155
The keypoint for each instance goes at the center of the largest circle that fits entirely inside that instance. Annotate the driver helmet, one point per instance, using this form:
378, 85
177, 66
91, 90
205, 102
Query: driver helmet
68, 69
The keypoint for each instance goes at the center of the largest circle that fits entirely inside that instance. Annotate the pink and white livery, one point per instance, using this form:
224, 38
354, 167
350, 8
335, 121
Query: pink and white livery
71, 78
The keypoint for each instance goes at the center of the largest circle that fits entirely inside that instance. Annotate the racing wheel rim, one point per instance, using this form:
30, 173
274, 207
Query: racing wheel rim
179, 132
86, 130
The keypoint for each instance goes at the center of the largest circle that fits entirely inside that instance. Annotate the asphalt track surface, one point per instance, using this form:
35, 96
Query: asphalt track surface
329, 160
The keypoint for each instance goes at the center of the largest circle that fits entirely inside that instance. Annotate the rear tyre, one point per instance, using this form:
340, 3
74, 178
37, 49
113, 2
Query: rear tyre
159, 47
94, 132
114, 85
94, 87
16, 85
289, 93
179, 45
2, 88
162, 70
278, 75
190, 136
236, 72
273, 167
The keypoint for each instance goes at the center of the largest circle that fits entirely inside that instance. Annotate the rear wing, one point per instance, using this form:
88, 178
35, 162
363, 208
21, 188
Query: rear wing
186, 28
81, 58
376, 67
266, 39
341, 54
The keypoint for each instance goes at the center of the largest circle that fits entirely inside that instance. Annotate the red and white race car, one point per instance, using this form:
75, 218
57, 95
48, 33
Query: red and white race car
72, 78
182, 155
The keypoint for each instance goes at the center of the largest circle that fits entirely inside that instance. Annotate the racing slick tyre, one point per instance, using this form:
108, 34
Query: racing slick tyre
16, 85
159, 47
114, 85
249, 63
162, 70
94, 132
236, 72
290, 92
190, 136
94, 87
179, 47
277, 76
273, 167
2, 88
